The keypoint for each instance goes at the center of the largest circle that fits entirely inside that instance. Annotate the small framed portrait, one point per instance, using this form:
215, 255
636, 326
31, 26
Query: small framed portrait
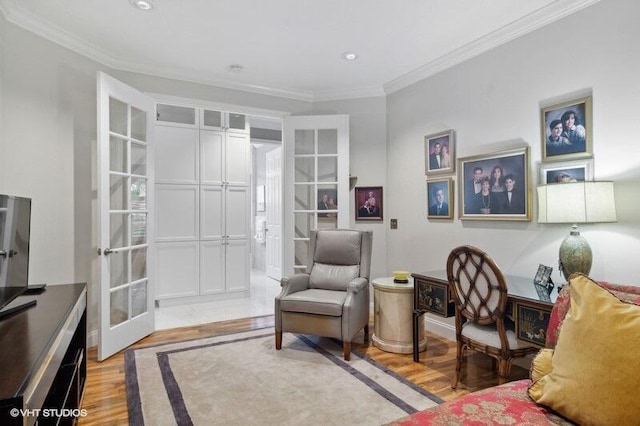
440, 199
368, 202
495, 186
566, 130
327, 203
566, 171
439, 153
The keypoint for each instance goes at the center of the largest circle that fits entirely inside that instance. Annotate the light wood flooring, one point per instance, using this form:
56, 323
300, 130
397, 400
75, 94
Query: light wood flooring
105, 396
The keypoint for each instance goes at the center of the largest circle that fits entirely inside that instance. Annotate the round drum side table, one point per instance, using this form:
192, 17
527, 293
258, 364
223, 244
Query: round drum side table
393, 316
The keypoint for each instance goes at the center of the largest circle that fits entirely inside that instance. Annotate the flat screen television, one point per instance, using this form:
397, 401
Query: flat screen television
15, 228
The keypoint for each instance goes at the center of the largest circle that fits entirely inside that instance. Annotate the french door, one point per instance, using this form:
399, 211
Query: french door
316, 193
274, 213
125, 197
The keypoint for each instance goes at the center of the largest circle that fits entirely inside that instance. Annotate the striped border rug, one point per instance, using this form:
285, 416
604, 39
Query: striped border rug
240, 379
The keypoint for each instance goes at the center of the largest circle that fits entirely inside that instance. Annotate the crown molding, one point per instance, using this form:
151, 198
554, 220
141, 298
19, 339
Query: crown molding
59, 36
540, 18
529, 23
339, 94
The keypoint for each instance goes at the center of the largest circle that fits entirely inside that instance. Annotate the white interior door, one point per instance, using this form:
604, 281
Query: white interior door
273, 206
316, 184
125, 192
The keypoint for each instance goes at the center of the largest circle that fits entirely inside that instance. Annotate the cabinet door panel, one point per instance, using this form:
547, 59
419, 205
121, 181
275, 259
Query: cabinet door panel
212, 267
237, 212
237, 265
177, 269
176, 212
211, 212
237, 159
176, 155
211, 156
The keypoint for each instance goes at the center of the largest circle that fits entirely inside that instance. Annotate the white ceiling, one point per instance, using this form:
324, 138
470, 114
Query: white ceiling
289, 48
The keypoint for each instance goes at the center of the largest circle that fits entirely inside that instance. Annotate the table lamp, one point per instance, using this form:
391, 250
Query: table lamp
576, 202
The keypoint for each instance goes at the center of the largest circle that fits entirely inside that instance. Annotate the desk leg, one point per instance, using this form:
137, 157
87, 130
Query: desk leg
416, 336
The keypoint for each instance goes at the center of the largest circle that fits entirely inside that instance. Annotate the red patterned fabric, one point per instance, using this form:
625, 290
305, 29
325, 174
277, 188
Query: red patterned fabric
506, 404
509, 404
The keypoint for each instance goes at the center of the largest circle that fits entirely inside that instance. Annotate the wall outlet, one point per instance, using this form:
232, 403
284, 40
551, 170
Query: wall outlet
394, 223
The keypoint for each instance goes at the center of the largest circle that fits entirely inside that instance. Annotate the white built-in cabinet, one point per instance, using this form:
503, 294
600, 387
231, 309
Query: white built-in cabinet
202, 161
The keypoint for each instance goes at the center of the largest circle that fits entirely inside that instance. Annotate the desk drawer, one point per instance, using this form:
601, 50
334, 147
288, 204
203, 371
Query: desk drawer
531, 322
433, 297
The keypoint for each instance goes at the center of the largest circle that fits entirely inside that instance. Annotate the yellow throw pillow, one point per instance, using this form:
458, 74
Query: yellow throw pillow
594, 378
541, 364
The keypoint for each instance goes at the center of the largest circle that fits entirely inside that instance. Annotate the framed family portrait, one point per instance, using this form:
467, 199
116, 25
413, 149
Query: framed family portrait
368, 202
495, 186
439, 153
440, 199
566, 171
566, 130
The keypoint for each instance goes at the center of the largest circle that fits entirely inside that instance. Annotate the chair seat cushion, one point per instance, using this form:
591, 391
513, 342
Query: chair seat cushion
489, 336
315, 301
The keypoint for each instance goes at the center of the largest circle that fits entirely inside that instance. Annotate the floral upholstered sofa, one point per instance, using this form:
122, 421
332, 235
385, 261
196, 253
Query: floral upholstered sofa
587, 373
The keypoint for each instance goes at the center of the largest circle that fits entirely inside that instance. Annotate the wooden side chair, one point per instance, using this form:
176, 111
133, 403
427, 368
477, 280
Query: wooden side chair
480, 295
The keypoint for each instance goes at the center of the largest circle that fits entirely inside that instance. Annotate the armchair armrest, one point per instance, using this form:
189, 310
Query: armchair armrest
294, 283
357, 284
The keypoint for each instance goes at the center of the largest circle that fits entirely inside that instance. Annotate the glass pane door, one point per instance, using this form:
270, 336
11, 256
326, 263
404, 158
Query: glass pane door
318, 163
126, 294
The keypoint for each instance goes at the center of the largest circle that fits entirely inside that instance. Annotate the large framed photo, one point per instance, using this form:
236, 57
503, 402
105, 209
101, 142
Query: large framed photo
439, 153
495, 186
566, 171
368, 203
440, 199
566, 130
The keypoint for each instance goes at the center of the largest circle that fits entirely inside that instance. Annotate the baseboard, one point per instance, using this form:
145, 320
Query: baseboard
92, 338
441, 328
448, 331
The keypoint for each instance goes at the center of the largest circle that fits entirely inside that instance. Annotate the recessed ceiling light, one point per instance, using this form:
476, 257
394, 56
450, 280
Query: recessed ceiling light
145, 5
349, 56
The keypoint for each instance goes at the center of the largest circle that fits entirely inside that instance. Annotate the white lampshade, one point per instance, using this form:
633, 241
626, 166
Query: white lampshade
576, 202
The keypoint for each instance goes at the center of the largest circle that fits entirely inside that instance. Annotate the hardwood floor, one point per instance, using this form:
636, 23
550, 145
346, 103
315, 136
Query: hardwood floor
105, 396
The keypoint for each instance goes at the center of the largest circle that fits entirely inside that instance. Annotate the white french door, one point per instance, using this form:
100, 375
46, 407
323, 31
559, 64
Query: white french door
316, 192
125, 197
273, 206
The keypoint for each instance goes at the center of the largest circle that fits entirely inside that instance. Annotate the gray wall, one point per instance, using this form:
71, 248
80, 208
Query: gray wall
494, 100
48, 138
48, 132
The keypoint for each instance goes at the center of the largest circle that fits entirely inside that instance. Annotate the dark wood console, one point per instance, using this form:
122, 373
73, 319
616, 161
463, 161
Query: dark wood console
43, 358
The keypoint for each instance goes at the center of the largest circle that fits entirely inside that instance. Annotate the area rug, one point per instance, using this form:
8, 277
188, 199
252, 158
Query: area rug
240, 379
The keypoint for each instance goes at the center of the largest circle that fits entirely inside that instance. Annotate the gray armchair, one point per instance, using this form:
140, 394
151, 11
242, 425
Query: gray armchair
331, 299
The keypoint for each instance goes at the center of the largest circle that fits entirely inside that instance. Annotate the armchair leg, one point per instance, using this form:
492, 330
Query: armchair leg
346, 350
278, 340
366, 333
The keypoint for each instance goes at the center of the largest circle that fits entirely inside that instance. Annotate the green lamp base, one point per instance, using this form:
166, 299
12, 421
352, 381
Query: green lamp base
575, 254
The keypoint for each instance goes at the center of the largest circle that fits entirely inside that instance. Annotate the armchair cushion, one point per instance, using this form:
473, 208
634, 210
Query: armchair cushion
332, 277
596, 350
315, 301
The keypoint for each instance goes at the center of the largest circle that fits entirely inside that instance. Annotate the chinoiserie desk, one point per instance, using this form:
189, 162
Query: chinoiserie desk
392, 317
530, 314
